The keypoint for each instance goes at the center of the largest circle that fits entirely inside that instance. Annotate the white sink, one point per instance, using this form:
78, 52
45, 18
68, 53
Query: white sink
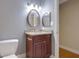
38, 32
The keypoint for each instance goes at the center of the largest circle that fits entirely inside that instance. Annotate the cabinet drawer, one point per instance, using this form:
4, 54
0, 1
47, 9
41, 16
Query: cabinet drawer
36, 39
40, 38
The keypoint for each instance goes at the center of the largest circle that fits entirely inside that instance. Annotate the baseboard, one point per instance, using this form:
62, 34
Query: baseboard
22, 55
69, 49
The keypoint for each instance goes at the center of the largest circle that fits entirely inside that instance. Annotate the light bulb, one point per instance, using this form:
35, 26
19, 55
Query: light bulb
40, 8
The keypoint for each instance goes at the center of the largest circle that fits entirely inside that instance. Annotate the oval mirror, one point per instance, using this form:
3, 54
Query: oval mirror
33, 18
46, 19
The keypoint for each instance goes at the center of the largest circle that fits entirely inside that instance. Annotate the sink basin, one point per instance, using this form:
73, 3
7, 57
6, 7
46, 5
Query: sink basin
38, 32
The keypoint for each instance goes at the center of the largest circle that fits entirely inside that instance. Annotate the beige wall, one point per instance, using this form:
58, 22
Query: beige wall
69, 24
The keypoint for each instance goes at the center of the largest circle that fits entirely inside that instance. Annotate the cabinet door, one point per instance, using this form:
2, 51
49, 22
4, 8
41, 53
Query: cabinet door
40, 49
44, 49
29, 47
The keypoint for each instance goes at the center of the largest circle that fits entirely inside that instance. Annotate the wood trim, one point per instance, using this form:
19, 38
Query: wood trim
69, 49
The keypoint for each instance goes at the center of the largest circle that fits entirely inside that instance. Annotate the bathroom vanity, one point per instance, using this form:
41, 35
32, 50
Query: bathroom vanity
38, 41
38, 44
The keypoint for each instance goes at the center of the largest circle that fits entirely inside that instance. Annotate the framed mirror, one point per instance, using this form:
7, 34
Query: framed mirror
46, 19
33, 18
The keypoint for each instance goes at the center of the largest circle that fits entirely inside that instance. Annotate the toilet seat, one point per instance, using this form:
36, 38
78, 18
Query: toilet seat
11, 56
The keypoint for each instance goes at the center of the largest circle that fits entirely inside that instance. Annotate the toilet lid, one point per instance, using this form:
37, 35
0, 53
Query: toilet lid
11, 56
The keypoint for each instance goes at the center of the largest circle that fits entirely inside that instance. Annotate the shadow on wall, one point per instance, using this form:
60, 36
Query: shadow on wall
53, 43
21, 49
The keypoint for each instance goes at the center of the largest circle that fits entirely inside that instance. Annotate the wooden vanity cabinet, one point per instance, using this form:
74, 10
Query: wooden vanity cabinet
38, 46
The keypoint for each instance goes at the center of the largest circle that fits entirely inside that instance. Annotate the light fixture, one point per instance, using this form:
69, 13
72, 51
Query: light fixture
40, 8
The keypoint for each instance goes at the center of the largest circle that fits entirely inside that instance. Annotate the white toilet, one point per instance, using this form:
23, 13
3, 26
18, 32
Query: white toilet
8, 48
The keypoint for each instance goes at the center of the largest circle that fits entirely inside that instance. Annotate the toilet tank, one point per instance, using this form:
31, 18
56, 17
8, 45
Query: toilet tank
8, 47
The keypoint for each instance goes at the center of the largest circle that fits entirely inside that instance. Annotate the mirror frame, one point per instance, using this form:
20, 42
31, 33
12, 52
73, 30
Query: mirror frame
46, 16
29, 14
